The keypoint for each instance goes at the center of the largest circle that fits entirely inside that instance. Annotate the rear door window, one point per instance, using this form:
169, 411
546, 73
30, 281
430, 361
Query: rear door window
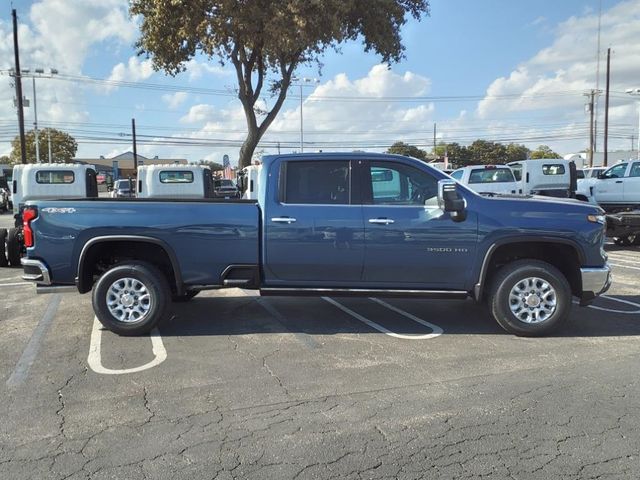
55, 176
553, 169
317, 182
491, 175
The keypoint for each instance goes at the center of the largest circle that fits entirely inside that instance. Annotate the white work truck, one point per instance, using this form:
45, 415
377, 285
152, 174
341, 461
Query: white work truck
618, 188
248, 183
487, 178
551, 177
174, 181
42, 181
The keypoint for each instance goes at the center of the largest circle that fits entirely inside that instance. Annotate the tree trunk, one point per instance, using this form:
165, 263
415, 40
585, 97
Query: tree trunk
247, 149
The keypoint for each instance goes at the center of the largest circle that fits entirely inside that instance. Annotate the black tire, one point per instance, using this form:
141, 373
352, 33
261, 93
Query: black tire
518, 276
188, 295
625, 241
3, 242
14, 247
155, 284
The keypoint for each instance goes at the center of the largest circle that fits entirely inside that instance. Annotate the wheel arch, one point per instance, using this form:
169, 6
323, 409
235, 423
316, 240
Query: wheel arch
548, 249
84, 278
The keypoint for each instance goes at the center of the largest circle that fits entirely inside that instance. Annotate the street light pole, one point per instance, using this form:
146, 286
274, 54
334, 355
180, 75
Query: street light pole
307, 80
636, 92
35, 120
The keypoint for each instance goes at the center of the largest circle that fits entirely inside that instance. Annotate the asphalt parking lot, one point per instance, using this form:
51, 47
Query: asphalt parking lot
238, 386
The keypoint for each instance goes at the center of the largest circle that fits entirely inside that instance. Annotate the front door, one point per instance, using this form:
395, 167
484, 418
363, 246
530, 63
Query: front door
610, 187
632, 184
314, 234
410, 241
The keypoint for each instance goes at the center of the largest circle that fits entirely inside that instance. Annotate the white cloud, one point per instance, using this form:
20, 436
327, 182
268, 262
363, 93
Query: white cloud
197, 69
175, 100
553, 80
134, 71
60, 34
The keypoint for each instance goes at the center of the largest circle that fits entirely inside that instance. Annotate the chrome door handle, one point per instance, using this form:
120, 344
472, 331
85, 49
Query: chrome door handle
381, 221
283, 219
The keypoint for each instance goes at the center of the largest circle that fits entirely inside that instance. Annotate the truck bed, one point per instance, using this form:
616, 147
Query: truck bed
203, 236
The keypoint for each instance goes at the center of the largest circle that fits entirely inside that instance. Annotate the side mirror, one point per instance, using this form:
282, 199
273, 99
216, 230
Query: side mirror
449, 200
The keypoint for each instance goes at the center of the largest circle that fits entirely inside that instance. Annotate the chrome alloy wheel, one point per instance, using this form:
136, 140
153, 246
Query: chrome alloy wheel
128, 300
533, 300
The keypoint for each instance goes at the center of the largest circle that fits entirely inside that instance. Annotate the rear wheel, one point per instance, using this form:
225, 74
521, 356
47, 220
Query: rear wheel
530, 298
131, 298
3, 252
14, 247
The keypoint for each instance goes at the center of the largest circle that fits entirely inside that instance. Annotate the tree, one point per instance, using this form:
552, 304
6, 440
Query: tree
267, 40
543, 151
214, 166
401, 148
63, 146
4, 159
517, 152
458, 155
488, 153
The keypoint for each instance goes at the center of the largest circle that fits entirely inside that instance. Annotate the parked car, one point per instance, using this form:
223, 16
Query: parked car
487, 178
125, 188
326, 224
4, 200
223, 188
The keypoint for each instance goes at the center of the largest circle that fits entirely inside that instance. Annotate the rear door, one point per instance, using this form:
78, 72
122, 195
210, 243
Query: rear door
314, 233
632, 184
410, 241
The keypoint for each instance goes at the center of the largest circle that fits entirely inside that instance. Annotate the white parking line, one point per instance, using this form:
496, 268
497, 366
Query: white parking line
613, 310
624, 266
95, 361
16, 284
623, 259
436, 331
30, 353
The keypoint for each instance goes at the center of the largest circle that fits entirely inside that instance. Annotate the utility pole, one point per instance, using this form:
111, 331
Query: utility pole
18, 79
606, 109
49, 142
591, 107
135, 149
434, 139
35, 121
595, 106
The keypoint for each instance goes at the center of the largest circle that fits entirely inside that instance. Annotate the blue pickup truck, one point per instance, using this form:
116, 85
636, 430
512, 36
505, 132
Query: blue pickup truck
331, 224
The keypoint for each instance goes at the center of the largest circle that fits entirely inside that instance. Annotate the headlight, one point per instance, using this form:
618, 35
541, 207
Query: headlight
597, 219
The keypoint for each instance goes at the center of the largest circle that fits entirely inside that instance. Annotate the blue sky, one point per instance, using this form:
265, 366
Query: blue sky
522, 66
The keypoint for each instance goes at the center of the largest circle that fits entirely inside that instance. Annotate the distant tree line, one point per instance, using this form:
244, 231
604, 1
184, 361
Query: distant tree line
479, 152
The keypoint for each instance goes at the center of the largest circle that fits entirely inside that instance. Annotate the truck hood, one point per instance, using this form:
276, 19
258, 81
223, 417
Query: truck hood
540, 203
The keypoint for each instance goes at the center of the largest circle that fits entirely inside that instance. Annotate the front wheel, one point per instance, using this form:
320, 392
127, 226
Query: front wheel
530, 298
131, 298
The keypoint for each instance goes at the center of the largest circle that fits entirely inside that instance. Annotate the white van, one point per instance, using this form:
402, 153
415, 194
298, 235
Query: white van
174, 181
52, 180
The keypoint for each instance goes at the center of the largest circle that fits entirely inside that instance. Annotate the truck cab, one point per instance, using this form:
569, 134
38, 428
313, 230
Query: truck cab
618, 187
550, 177
174, 181
487, 179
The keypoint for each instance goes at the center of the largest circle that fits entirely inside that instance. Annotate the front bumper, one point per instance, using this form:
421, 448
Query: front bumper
595, 281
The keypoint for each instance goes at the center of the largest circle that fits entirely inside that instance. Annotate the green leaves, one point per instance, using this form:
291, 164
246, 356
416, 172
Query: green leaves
63, 146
